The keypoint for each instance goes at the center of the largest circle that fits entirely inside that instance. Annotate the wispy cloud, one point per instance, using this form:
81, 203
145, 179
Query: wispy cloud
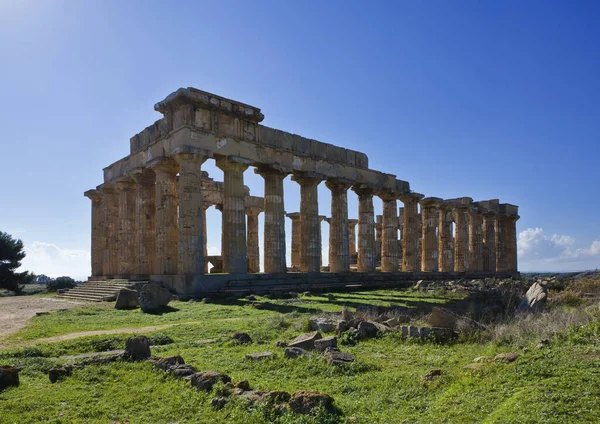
54, 261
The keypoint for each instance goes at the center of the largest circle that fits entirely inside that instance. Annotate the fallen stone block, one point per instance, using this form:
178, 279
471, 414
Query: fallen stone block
59, 373
242, 338
322, 324
205, 381
153, 297
506, 357
9, 376
305, 401
259, 356
306, 341
534, 300
127, 299
167, 363
335, 357
295, 352
325, 342
137, 348
370, 329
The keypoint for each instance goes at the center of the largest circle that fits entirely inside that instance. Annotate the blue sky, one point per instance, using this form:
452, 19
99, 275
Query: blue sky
460, 98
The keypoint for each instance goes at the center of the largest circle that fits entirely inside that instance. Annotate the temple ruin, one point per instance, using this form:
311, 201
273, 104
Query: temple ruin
149, 222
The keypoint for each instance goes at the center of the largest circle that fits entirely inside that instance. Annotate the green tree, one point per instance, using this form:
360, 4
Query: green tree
11, 255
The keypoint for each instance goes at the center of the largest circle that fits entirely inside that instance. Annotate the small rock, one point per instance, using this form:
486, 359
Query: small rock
322, 324
335, 357
341, 327
219, 403
9, 376
182, 371
370, 329
259, 356
433, 373
304, 401
167, 363
127, 299
474, 367
260, 396
204, 381
481, 359
295, 352
306, 341
244, 385
242, 338
137, 348
506, 357
39, 314
542, 343
59, 373
346, 314
281, 344
325, 342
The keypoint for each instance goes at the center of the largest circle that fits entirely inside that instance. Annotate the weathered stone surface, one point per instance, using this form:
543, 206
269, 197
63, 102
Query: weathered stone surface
322, 324
169, 362
59, 373
295, 352
259, 356
397, 320
370, 329
346, 314
535, 299
219, 403
341, 327
306, 341
335, 357
475, 366
444, 318
137, 348
260, 396
325, 342
154, 297
9, 376
304, 401
506, 357
204, 381
482, 359
242, 338
127, 299
182, 371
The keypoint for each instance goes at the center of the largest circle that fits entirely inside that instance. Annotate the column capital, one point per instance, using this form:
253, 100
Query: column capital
308, 178
107, 188
253, 211
338, 184
322, 218
363, 189
430, 202
352, 221
293, 215
142, 175
411, 197
125, 183
163, 165
94, 195
387, 195
326, 219
272, 169
233, 163
186, 153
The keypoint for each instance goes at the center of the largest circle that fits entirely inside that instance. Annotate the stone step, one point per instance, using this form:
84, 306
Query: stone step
80, 297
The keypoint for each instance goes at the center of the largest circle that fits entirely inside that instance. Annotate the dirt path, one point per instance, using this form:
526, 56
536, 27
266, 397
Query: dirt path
15, 311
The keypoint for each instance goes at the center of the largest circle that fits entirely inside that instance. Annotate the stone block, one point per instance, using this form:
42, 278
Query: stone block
154, 297
306, 341
137, 348
325, 342
9, 376
127, 299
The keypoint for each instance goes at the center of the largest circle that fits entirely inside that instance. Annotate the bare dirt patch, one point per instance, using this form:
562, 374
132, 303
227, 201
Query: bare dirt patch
15, 311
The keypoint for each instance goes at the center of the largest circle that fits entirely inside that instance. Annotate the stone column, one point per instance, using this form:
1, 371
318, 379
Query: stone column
296, 231
410, 235
206, 205
352, 236
145, 223
489, 241
378, 237
166, 216
461, 238
310, 255
321, 219
252, 248
389, 242
126, 214
511, 243
190, 245
501, 263
98, 241
366, 229
430, 219
475, 240
274, 230
110, 231
445, 239
339, 253
234, 217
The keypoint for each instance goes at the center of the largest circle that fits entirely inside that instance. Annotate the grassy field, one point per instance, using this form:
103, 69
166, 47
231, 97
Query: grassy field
558, 383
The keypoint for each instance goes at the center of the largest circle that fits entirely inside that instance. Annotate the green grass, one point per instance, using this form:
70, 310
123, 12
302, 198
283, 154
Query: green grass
558, 383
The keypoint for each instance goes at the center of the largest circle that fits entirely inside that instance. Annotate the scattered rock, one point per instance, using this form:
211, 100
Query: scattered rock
295, 352
281, 344
534, 300
335, 357
259, 356
481, 359
542, 343
306, 341
506, 357
206, 380
127, 299
154, 297
341, 327
242, 338
322, 324
137, 348
260, 396
59, 373
475, 367
243, 385
444, 318
346, 314
325, 342
167, 363
306, 293
9, 376
39, 314
370, 329
397, 320
433, 373
304, 401
219, 403
182, 371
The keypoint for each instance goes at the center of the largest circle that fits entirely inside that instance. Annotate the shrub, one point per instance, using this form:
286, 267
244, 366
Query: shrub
61, 283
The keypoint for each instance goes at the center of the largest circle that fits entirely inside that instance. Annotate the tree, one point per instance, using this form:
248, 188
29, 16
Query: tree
60, 283
11, 255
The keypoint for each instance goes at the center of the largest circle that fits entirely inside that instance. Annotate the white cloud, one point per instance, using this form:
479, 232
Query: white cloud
540, 252
53, 261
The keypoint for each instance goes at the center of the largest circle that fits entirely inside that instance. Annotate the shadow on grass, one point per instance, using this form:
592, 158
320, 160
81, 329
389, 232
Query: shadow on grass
162, 311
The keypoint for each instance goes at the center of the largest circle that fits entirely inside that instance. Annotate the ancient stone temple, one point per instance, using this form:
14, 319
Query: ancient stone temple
149, 222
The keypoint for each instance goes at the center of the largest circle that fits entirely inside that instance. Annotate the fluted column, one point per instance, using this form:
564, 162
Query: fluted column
274, 228
252, 248
475, 239
445, 240
190, 245
411, 232
339, 253
110, 230
429, 214
166, 216
234, 217
352, 236
309, 215
511, 243
389, 242
501, 262
489, 241
461, 238
126, 214
145, 223
378, 237
296, 232
98, 241
321, 219
366, 229
206, 205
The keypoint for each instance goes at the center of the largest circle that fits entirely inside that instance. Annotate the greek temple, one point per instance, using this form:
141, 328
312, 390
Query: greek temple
149, 214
